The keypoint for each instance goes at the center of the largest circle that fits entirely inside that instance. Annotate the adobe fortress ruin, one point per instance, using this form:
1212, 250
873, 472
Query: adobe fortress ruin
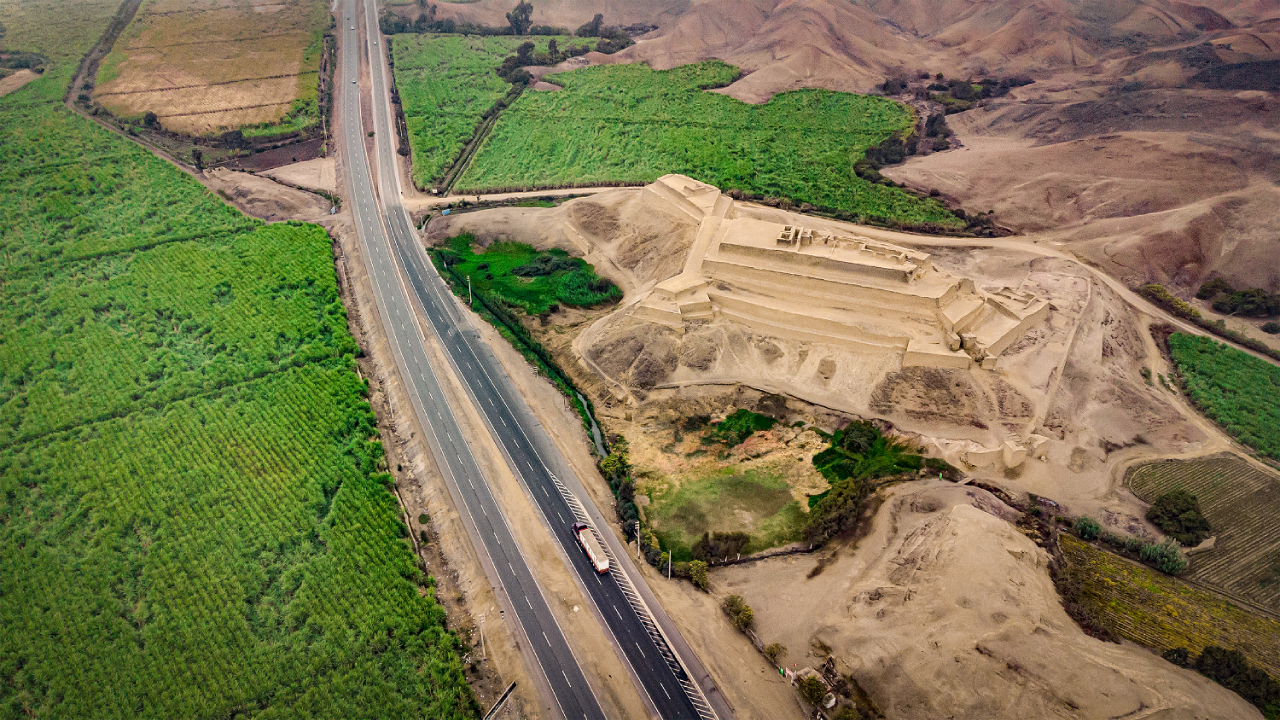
794, 282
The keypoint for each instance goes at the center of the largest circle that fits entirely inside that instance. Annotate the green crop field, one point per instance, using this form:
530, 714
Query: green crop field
1162, 612
446, 83
1242, 504
615, 123
560, 279
194, 521
1236, 390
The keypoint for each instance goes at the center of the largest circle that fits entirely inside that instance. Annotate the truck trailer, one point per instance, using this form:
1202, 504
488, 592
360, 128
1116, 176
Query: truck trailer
592, 547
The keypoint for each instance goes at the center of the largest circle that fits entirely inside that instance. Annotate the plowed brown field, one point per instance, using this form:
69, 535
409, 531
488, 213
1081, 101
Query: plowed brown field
210, 65
1242, 504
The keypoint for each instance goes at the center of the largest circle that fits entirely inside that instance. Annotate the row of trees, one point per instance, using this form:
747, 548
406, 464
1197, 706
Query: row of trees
519, 22
1232, 670
1227, 300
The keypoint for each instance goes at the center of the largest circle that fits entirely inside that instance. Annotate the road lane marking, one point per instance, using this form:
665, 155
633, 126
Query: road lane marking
641, 651
566, 681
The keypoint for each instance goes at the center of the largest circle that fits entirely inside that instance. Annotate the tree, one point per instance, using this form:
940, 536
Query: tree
521, 18
775, 652
618, 463
553, 50
812, 689
1178, 514
524, 56
591, 29
150, 119
1233, 671
698, 574
197, 158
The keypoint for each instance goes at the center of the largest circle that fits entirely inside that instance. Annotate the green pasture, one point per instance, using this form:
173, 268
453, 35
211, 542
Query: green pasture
728, 499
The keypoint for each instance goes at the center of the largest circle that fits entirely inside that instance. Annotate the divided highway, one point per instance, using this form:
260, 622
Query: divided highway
524, 598
663, 674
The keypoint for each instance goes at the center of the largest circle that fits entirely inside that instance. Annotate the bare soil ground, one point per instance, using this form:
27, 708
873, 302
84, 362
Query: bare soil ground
317, 174
946, 610
1076, 380
263, 198
213, 65
16, 80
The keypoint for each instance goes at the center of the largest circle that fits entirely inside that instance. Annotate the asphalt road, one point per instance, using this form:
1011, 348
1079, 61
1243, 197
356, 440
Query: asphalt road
512, 423
543, 634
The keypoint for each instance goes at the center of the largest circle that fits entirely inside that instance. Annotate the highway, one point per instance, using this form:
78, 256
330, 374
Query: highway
646, 645
523, 596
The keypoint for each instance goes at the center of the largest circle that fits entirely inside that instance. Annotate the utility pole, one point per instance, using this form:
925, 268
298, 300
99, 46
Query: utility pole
469, 302
637, 540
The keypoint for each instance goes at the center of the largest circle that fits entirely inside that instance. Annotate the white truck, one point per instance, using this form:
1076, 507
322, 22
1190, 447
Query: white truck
591, 546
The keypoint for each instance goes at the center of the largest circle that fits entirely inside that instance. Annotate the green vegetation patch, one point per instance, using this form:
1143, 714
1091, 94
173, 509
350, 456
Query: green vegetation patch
528, 278
858, 456
194, 521
1162, 612
70, 191
234, 554
1236, 390
1242, 504
628, 123
47, 28
738, 426
448, 85
91, 340
753, 501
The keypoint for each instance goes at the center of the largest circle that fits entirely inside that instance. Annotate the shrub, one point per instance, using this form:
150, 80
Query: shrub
713, 546
1160, 295
1164, 557
739, 426
1178, 514
812, 689
1271, 328
1087, 528
775, 652
544, 265
1178, 656
698, 574
846, 713
739, 612
423, 518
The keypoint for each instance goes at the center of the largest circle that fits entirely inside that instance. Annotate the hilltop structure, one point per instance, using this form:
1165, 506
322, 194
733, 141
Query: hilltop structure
797, 282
